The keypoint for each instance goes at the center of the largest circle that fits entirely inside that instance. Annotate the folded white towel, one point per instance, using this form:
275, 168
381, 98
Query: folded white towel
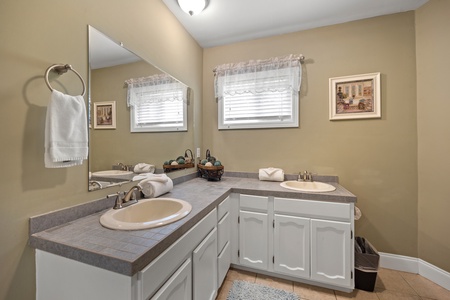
144, 168
271, 174
66, 133
155, 177
156, 185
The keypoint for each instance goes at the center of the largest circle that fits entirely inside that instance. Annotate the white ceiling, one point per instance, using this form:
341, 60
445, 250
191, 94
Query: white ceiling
229, 21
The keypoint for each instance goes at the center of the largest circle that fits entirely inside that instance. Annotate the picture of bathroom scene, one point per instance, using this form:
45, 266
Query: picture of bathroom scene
355, 96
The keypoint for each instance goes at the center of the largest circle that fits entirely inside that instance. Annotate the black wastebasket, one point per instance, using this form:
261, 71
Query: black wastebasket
366, 264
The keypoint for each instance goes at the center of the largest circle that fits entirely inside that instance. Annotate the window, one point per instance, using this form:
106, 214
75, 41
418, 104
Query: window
157, 103
259, 94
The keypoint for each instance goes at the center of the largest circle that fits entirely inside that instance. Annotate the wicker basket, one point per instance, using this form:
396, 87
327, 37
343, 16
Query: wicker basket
211, 173
170, 168
189, 163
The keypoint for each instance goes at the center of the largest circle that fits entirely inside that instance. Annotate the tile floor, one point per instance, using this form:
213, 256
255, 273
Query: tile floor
390, 285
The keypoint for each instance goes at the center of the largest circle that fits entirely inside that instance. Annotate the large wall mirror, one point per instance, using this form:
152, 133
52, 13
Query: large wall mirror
114, 149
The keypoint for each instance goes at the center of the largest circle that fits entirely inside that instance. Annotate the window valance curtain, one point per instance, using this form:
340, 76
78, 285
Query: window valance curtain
155, 88
276, 74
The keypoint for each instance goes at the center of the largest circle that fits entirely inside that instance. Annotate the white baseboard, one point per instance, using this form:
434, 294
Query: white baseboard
417, 266
399, 262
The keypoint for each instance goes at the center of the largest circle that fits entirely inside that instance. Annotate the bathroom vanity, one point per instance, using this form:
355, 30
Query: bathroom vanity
243, 222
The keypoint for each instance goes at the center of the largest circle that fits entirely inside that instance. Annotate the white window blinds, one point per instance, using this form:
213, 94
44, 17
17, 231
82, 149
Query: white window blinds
259, 94
157, 103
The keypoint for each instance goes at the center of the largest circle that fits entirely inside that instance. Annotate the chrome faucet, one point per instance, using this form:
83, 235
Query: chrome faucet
122, 167
94, 185
128, 199
305, 176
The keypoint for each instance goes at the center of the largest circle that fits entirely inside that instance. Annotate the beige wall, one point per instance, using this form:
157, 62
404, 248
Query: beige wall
433, 62
36, 34
109, 147
375, 159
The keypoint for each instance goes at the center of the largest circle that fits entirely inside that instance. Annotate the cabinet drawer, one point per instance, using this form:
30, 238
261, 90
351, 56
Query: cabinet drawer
223, 208
314, 209
224, 231
250, 202
223, 263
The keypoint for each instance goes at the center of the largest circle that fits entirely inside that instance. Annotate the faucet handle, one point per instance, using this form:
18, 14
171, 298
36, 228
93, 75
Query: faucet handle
119, 201
308, 176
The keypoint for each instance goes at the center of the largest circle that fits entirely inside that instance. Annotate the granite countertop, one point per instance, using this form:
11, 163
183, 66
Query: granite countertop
127, 252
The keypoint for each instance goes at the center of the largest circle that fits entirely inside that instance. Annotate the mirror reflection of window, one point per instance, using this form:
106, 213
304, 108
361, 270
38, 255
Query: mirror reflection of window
110, 65
157, 103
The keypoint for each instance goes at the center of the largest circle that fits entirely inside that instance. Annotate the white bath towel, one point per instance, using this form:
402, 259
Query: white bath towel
144, 168
271, 174
155, 185
66, 134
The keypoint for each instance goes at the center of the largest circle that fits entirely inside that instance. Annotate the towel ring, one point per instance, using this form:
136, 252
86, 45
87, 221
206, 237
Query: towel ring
61, 69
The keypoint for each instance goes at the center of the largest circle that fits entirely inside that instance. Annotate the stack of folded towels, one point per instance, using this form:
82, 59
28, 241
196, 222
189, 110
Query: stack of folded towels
271, 174
155, 185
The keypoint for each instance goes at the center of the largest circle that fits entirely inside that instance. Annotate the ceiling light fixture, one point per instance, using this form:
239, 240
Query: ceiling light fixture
193, 7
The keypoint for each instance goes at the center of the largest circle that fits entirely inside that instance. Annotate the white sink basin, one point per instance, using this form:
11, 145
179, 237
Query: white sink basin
307, 186
147, 213
112, 173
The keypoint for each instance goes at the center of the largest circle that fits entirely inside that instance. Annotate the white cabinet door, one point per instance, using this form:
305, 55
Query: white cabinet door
331, 243
205, 268
291, 245
223, 263
179, 285
253, 239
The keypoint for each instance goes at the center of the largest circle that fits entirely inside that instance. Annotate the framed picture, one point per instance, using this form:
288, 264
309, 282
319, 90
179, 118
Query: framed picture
355, 97
105, 115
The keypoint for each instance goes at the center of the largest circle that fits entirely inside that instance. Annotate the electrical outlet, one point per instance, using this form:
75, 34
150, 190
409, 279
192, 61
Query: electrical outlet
198, 152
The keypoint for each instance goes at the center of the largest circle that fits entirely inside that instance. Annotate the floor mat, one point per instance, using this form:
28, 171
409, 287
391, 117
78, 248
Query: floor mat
244, 290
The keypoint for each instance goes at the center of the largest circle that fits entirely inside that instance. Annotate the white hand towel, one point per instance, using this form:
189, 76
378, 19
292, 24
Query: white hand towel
66, 134
271, 174
155, 186
144, 168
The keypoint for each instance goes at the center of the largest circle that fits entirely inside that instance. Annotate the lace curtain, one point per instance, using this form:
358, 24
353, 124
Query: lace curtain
155, 88
276, 74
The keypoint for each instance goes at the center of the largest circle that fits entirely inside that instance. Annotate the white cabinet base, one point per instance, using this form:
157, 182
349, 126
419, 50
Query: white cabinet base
302, 240
59, 278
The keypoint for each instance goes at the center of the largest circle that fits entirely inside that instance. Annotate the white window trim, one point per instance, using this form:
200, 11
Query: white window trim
254, 76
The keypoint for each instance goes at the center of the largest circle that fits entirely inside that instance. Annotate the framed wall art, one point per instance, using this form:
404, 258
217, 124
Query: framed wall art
105, 115
355, 97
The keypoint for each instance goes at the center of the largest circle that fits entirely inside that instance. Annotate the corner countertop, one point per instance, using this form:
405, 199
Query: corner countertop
84, 239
